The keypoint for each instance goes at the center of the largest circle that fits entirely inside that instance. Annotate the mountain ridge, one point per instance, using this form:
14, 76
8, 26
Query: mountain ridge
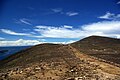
101, 47
57, 62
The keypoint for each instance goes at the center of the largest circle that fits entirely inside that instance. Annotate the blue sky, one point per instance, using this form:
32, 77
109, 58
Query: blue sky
30, 22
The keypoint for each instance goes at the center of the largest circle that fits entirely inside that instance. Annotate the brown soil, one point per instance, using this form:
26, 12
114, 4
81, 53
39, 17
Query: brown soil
56, 62
101, 47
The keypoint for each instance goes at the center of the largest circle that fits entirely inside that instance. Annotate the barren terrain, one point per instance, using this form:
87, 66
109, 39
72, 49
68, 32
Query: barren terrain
56, 62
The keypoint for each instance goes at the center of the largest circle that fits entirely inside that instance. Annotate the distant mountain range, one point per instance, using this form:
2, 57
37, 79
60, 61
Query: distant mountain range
87, 59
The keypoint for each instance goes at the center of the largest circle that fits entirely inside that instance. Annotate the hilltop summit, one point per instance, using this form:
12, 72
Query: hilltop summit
101, 47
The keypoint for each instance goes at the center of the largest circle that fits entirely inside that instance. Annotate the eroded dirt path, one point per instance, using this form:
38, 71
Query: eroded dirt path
58, 63
106, 69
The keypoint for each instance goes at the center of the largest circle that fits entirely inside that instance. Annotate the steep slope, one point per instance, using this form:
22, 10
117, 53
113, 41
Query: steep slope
55, 62
100, 47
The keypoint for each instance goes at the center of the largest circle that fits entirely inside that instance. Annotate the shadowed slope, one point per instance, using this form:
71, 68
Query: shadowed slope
37, 53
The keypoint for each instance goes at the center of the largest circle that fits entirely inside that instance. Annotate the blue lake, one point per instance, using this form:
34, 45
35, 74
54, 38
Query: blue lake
10, 50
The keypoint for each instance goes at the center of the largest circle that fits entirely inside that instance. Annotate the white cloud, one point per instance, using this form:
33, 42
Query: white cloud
118, 16
60, 11
10, 32
20, 42
110, 16
67, 42
118, 2
105, 28
57, 10
25, 21
72, 13
14, 33
61, 32
42, 27
66, 26
71, 41
55, 32
1, 38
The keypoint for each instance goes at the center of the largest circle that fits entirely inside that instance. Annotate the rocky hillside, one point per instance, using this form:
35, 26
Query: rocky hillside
56, 62
100, 47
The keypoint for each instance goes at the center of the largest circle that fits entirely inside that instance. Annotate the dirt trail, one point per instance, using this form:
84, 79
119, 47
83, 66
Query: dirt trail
57, 62
105, 67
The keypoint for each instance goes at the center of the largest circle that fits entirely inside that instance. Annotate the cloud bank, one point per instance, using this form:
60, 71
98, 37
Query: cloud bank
20, 42
103, 28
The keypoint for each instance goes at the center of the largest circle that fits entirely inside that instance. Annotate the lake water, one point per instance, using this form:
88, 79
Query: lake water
11, 50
